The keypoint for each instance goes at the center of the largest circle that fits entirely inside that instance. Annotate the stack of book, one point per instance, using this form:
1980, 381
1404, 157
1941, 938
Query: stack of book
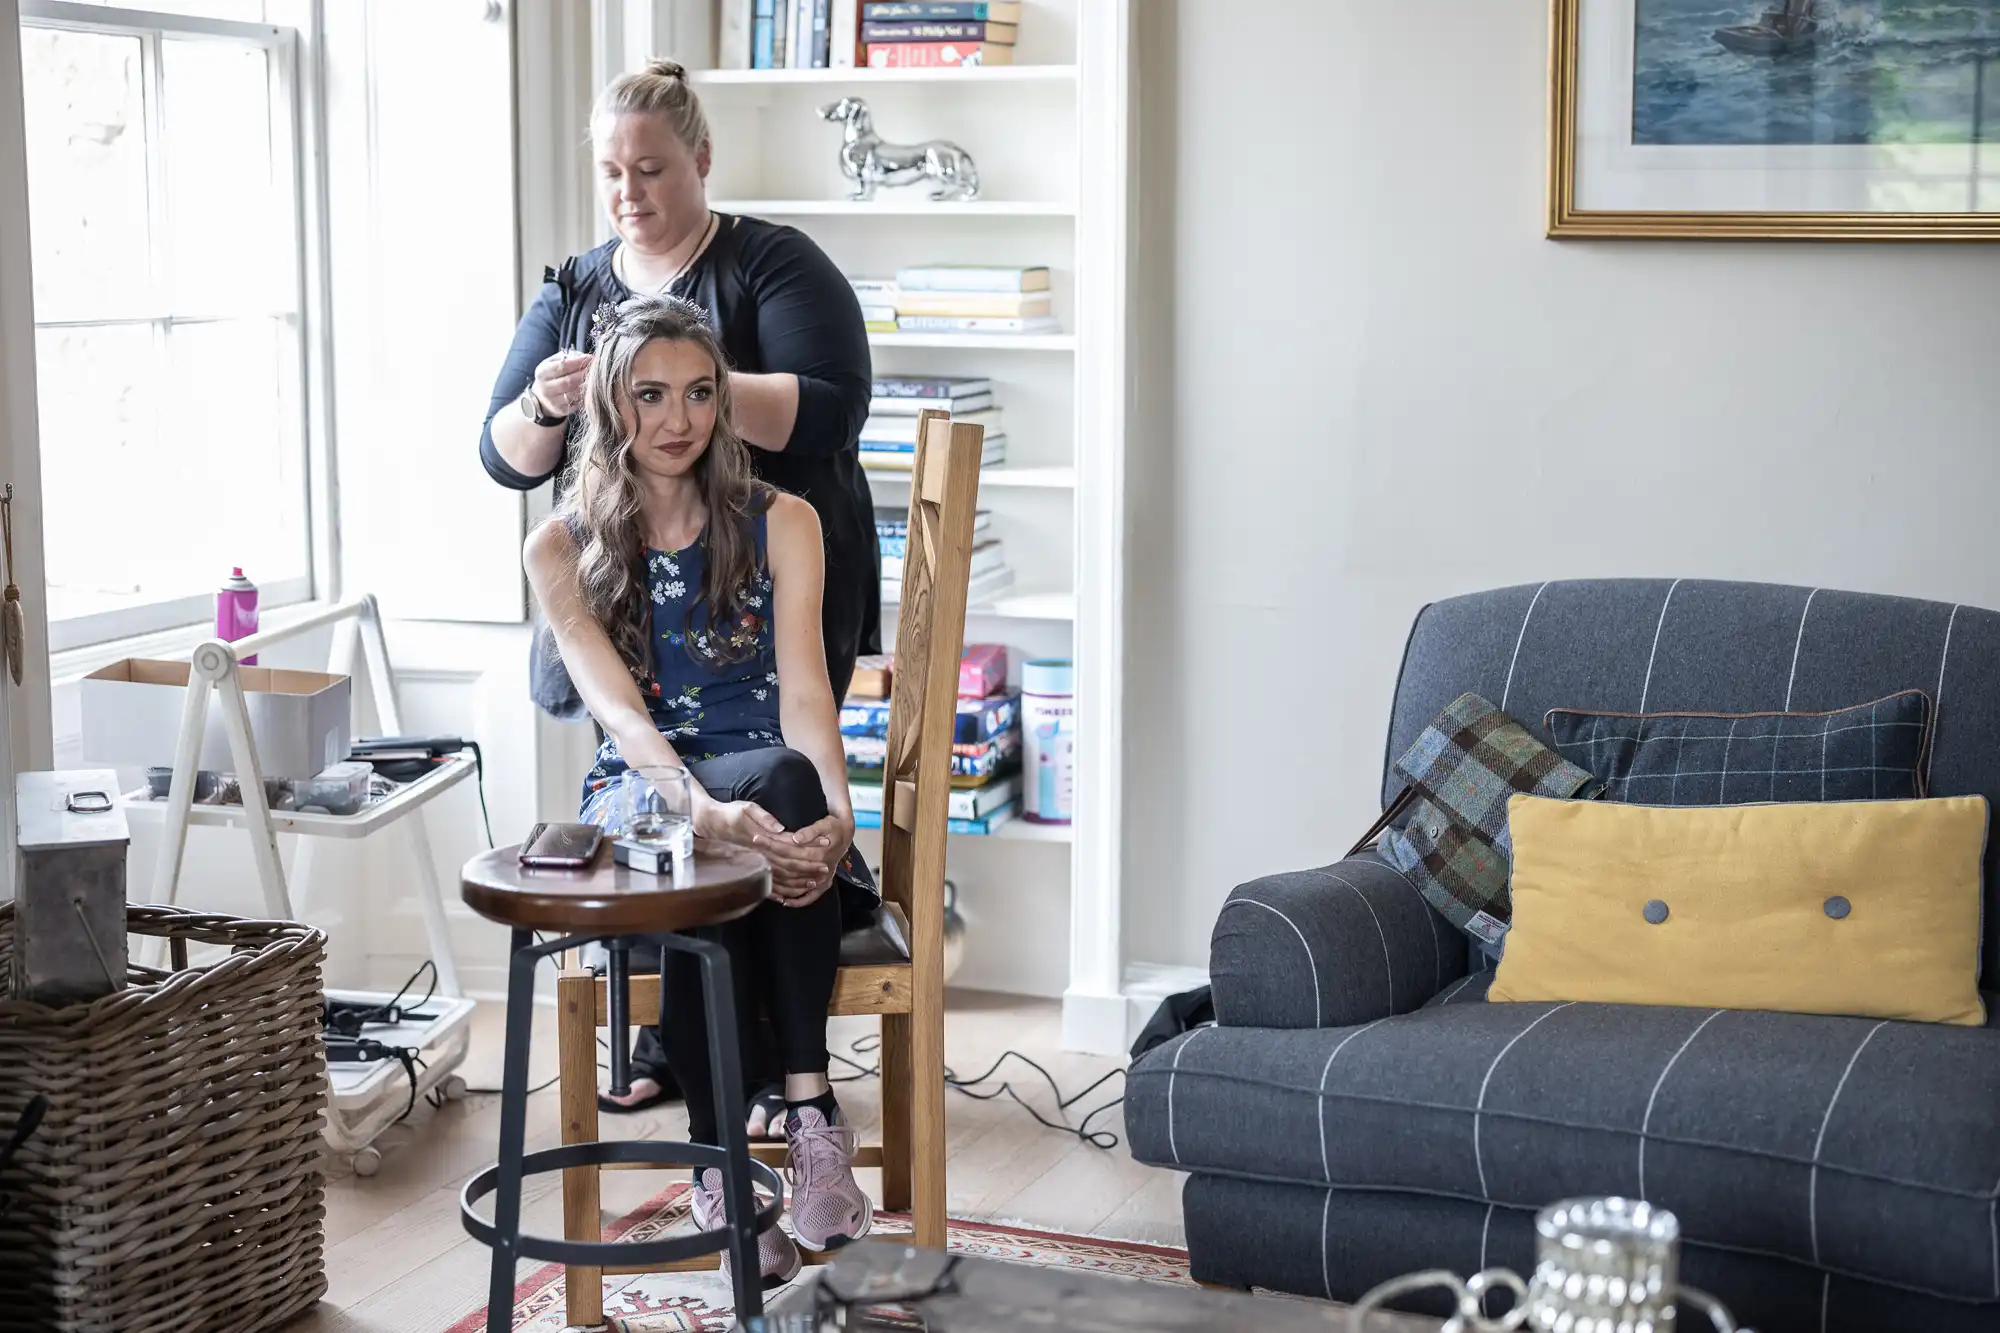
974, 298
841, 34
878, 302
989, 575
985, 752
889, 436
946, 34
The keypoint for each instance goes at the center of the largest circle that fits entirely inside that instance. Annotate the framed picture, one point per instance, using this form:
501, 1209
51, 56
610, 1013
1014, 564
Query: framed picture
1827, 119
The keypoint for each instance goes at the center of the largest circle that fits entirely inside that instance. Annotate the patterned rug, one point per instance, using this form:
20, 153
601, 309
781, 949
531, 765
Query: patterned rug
700, 1302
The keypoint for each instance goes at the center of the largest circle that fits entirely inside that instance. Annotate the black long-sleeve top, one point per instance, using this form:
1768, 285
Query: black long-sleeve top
777, 304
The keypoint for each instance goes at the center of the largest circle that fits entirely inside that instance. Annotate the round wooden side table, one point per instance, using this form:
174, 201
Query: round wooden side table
606, 901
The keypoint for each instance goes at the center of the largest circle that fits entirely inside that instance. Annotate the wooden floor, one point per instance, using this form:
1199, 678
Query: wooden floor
397, 1258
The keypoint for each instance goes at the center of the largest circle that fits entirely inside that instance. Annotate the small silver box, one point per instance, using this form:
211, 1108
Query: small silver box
69, 910
646, 858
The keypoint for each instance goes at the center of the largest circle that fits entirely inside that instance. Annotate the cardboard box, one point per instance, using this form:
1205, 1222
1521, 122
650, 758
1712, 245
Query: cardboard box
299, 720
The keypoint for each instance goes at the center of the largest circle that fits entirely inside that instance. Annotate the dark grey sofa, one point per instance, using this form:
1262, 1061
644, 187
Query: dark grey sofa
1359, 1111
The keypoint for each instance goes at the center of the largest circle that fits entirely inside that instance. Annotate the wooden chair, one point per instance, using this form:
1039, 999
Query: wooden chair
895, 966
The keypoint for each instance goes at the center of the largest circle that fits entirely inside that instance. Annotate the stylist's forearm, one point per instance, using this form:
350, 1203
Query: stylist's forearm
767, 408
531, 450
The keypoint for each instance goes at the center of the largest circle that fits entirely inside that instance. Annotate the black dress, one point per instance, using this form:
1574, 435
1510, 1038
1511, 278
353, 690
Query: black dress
777, 304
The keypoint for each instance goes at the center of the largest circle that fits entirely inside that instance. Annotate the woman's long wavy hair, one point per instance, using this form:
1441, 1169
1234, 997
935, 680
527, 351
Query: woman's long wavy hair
603, 494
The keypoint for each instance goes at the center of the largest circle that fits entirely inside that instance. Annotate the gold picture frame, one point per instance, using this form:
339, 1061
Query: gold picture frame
1567, 221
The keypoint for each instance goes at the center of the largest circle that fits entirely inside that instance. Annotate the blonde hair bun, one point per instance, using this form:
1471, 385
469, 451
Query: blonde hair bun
660, 89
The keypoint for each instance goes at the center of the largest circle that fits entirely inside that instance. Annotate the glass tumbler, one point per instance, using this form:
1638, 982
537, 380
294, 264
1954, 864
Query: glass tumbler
659, 810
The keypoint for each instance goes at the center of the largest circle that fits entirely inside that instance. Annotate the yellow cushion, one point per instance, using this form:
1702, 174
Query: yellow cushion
1750, 900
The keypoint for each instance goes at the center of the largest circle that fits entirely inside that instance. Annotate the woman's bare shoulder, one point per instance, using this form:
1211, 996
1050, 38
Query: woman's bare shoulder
550, 544
792, 518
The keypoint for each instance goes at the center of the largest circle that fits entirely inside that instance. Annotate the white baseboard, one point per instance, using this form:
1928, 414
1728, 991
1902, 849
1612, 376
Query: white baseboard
1093, 1023
1147, 984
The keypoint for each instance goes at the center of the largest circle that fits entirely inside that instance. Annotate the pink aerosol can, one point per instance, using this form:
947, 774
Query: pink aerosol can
236, 611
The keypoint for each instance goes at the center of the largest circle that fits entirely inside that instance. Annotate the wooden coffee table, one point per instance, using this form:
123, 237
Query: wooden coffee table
988, 1296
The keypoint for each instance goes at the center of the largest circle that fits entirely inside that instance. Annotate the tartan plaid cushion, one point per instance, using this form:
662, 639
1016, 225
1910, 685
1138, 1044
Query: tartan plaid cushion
1453, 841
1875, 751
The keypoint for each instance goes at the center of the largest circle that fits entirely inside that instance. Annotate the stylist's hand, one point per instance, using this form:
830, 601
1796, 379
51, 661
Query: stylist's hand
559, 382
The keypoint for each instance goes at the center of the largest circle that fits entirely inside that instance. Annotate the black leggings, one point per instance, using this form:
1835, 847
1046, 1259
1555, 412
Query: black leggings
782, 959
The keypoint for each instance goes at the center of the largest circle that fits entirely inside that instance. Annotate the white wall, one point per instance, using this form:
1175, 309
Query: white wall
1363, 365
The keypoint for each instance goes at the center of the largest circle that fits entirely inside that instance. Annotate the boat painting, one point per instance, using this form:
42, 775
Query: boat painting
1826, 72
1779, 32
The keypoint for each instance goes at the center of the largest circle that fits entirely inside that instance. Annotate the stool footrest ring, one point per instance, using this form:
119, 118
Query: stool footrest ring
597, 1254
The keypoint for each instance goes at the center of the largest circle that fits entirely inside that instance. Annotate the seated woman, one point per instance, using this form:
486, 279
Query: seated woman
685, 599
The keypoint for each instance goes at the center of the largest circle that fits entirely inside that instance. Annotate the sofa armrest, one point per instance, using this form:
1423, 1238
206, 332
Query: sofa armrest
1348, 943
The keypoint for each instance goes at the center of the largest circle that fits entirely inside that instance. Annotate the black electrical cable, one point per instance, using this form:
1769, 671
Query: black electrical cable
479, 780
1102, 1138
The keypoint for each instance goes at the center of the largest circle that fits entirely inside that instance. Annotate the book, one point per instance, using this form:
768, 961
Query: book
897, 545
764, 34
877, 291
930, 386
926, 30
973, 827
733, 42
844, 34
877, 314
822, 19
981, 588
971, 765
970, 278
937, 55
893, 11
912, 407
890, 458
977, 720
985, 556
879, 326
958, 324
894, 524
967, 803
902, 429
873, 674
975, 305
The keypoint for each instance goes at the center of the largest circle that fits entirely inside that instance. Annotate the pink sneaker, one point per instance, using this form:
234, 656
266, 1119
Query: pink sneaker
829, 1208
777, 1257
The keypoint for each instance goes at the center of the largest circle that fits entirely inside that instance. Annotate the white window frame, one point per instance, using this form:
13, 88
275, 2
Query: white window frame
297, 154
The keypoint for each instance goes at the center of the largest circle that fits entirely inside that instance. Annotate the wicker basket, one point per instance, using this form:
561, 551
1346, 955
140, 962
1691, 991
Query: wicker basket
175, 1180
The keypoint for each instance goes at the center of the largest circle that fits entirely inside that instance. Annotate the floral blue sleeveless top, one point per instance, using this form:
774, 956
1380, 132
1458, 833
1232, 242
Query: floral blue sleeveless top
705, 706
709, 708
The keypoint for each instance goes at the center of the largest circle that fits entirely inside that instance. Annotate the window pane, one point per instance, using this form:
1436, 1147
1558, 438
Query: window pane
229, 436
230, 245
162, 466
103, 513
86, 173
243, 11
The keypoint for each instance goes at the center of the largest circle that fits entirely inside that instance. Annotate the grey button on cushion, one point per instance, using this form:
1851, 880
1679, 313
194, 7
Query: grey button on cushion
1839, 1142
1837, 907
1656, 911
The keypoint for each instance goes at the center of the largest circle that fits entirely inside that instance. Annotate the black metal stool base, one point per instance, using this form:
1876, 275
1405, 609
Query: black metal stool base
605, 1253
739, 1171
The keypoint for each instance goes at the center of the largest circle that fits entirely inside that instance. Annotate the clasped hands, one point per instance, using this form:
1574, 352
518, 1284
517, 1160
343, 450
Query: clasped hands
802, 862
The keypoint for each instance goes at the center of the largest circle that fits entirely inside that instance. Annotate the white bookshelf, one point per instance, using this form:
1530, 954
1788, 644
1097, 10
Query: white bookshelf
1050, 134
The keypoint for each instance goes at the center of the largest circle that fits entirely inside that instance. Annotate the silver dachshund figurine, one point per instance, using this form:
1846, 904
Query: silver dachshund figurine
869, 162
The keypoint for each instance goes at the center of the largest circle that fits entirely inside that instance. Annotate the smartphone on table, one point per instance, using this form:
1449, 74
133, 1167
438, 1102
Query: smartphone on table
561, 846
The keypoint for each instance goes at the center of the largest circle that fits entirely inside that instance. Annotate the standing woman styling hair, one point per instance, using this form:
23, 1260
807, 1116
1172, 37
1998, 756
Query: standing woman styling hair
791, 328
685, 597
